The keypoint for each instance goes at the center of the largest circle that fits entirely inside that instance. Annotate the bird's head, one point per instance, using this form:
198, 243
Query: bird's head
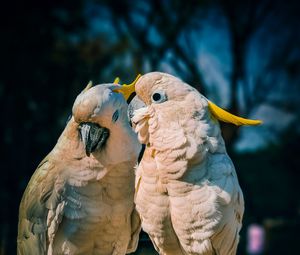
97, 110
171, 100
168, 101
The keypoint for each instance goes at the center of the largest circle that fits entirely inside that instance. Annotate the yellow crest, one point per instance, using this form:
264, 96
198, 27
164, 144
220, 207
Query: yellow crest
88, 86
117, 80
126, 89
225, 116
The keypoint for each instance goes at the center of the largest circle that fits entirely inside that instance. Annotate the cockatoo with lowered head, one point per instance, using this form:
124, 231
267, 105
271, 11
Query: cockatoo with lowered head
187, 191
80, 198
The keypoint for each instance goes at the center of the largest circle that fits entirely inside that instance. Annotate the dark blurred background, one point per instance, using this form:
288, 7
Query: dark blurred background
243, 55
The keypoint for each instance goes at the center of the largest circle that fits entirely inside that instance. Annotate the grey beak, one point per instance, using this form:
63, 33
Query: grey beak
136, 103
93, 136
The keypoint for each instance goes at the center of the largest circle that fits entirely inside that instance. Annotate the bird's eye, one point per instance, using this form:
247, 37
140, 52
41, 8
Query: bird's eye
156, 97
159, 97
115, 116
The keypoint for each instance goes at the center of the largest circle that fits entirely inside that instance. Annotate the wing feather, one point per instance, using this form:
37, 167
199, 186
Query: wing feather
41, 209
135, 231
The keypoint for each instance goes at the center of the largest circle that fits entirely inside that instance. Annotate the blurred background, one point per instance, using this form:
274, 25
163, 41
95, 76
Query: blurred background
243, 55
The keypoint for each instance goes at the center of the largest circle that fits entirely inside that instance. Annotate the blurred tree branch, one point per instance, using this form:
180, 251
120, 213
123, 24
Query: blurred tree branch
161, 18
244, 18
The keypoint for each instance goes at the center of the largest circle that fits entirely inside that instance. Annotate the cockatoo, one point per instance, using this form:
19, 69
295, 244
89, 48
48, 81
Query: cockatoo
80, 198
187, 190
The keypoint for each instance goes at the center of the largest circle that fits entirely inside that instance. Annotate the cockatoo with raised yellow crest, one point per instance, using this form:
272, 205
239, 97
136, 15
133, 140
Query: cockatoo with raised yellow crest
80, 198
187, 190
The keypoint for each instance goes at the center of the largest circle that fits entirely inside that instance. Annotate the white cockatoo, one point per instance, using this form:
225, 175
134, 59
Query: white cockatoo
80, 198
187, 190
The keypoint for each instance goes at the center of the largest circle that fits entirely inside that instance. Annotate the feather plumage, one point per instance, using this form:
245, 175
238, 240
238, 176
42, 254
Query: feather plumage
75, 204
188, 198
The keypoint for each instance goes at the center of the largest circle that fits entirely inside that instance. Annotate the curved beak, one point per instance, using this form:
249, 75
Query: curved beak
93, 136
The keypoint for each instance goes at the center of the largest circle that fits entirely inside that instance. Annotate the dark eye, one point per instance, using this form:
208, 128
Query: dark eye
159, 97
156, 97
115, 116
